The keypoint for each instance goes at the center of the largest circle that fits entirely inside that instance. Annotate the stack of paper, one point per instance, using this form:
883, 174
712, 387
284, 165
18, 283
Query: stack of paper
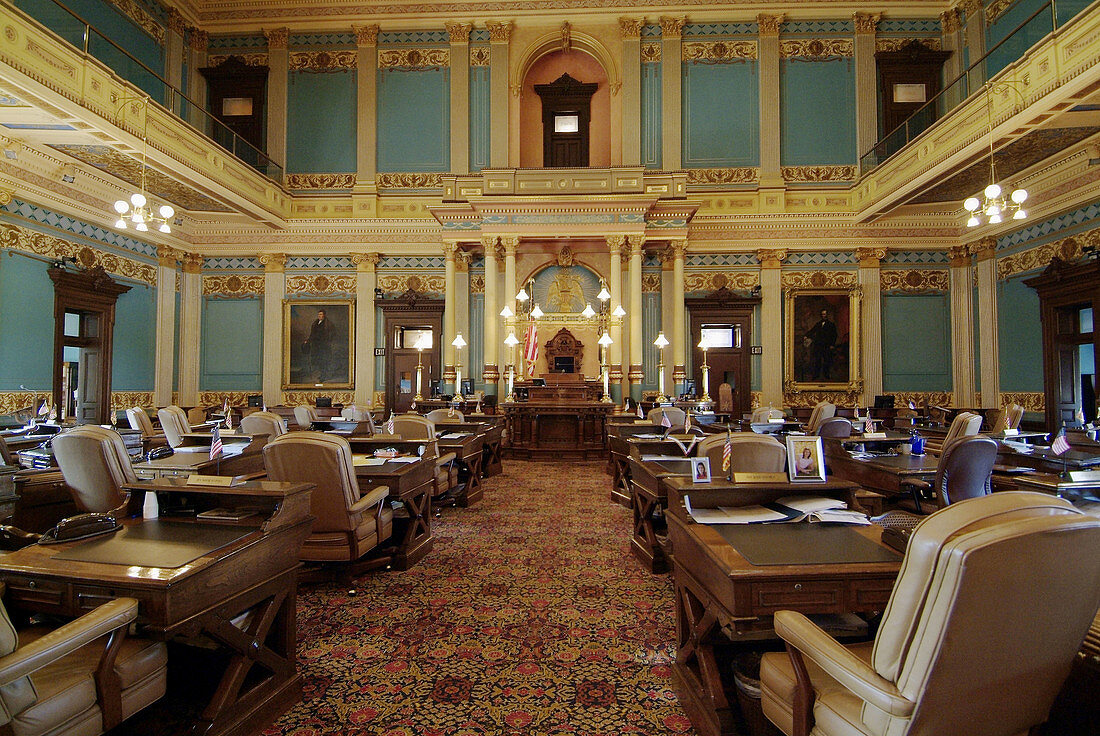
786, 509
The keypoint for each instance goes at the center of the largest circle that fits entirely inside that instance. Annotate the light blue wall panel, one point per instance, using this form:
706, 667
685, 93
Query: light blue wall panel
721, 119
414, 120
321, 122
817, 112
475, 352
651, 325
232, 345
135, 339
480, 126
916, 342
1022, 40
651, 116
1020, 336
756, 361
26, 324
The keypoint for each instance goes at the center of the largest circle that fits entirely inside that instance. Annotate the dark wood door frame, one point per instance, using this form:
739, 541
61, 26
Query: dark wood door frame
566, 95
723, 306
410, 310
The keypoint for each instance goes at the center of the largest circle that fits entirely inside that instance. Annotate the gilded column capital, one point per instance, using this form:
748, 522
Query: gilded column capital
463, 259
771, 257
672, 27
489, 244
958, 255
630, 27
972, 8
678, 249
192, 262
450, 249
867, 22
200, 41
870, 257
366, 262
499, 31
634, 245
615, 244
366, 35
951, 20
459, 32
667, 257
176, 22
168, 256
273, 262
768, 25
277, 38
510, 243
983, 248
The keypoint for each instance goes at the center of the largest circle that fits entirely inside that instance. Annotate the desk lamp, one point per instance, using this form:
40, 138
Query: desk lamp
661, 342
459, 343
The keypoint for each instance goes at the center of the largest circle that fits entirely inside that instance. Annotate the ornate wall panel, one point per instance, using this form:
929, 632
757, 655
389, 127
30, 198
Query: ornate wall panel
816, 48
322, 61
248, 59
326, 284
896, 44
718, 52
732, 280
818, 279
232, 285
820, 173
414, 59
29, 241
737, 175
320, 181
293, 398
915, 281
933, 398
1036, 259
1030, 400
428, 285
122, 400
409, 181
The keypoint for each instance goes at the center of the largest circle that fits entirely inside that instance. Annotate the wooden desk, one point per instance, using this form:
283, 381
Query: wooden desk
1043, 459
554, 430
621, 448
882, 474
716, 588
411, 484
242, 455
257, 574
469, 449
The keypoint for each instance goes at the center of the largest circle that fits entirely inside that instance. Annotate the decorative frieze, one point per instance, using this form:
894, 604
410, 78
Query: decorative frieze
915, 281
1036, 259
54, 248
232, 285
414, 58
922, 398
736, 175
816, 49
819, 279
819, 173
319, 283
293, 398
996, 9
951, 20
322, 61
219, 398
718, 52
1031, 400
200, 41
123, 400
651, 52
800, 399
319, 181
432, 285
731, 280
258, 59
397, 180
479, 56
897, 44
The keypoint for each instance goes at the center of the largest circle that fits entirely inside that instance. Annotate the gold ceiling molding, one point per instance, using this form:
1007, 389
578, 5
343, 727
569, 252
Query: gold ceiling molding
915, 280
319, 181
732, 280
1030, 400
322, 61
409, 181
651, 52
1036, 259
232, 285
651, 283
816, 48
29, 241
135, 12
819, 279
819, 173
717, 52
414, 58
738, 175
897, 44
428, 285
122, 400
259, 59
293, 398
479, 56
318, 283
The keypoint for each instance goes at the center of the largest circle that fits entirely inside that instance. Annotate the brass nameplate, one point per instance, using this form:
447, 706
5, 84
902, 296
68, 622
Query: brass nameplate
220, 481
1012, 432
1084, 476
759, 477
874, 435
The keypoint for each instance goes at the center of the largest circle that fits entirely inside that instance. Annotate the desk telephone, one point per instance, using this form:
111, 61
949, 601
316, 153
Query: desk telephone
80, 526
160, 452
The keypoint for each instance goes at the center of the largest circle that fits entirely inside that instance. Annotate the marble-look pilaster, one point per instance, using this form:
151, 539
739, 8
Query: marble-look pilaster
615, 245
450, 310
635, 244
679, 321
278, 62
500, 34
962, 326
771, 176
274, 293
771, 326
866, 82
870, 260
989, 359
671, 108
366, 127
164, 351
491, 371
366, 278
459, 34
630, 30
190, 329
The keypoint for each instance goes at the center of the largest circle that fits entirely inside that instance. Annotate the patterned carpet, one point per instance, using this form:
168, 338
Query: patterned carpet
529, 616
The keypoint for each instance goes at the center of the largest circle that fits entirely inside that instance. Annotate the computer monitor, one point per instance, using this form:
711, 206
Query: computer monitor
884, 402
689, 387
324, 402
435, 388
256, 400
538, 381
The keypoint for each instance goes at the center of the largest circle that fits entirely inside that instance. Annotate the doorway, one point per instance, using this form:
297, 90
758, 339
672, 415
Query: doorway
727, 326
566, 115
413, 330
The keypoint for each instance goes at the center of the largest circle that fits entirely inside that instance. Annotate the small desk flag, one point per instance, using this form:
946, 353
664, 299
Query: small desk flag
1060, 444
215, 443
727, 452
665, 421
640, 414
687, 421
390, 425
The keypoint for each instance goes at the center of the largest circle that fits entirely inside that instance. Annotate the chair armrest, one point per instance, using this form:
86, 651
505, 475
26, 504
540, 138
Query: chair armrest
109, 617
450, 457
376, 496
840, 664
917, 483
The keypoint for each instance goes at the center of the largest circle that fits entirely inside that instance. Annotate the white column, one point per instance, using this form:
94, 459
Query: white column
866, 82
450, 309
985, 251
871, 320
630, 30
278, 63
634, 314
671, 103
366, 278
615, 287
499, 99
771, 175
962, 327
460, 96
679, 339
274, 293
771, 326
510, 243
164, 351
951, 22
190, 329
366, 127
491, 344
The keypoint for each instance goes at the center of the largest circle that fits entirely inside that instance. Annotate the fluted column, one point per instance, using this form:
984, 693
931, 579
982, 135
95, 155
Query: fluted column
499, 35
771, 325
491, 345
671, 97
771, 176
635, 244
962, 326
630, 31
989, 359
459, 34
366, 278
274, 293
615, 287
450, 309
164, 350
509, 244
866, 82
190, 329
679, 341
196, 82
870, 260
366, 125
278, 62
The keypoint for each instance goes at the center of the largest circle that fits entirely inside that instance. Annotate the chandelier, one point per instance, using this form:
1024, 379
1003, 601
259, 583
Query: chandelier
994, 206
139, 211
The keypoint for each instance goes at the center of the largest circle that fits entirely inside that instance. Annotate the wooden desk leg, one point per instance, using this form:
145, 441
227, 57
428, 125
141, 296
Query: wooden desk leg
418, 535
495, 464
472, 492
620, 491
695, 673
644, 542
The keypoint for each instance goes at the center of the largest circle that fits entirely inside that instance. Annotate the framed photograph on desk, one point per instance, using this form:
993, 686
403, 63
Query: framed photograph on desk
805, 459
822, 340
700, 469
318, 340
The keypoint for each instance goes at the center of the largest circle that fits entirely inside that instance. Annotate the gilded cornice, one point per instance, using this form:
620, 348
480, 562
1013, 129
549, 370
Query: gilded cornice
499, 31
319, 181
651, 52
317, 283
257, 59
366, 262
718, 52
176, 22
366, 35
816, 48
958, 255
869, 256
737, 175
819, 173
1036, 259
818, 280
479, 56
322, 61
768, 25
458, 32
915, 280
414, 58
732, 280
277, 38
771, 257
408, 181
168, 256
867, 22
273, 262
29, 241
672, 27
630, 27
139, 15
232, 285
996, 9
192, 263
427, 285
896, 44
200, 41
951, 20
984, 248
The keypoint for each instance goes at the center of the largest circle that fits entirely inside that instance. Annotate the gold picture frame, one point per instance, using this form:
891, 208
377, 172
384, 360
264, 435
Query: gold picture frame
822, 347
314, 357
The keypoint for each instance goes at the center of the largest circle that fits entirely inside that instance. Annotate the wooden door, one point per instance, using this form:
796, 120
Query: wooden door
89, 394
727, 320
405, 321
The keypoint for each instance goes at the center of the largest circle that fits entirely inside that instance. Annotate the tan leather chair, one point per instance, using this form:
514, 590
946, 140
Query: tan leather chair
676, 416
749, 453
139, 420
822, 410
174, 422
263, 422
305, 415
964, 470
95, 466
991, 605
346, 525
964, 425
69, 681
835, 427
1007, 418
416, 427
443, 416
355, 413
766, 414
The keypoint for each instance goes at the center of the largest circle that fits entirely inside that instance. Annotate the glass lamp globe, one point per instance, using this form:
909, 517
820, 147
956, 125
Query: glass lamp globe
588, 311
992, 191
972, 204
973, 221
537, 313
121, 206
1019, 215
137, 199
166, 211
1019, 196
994, 219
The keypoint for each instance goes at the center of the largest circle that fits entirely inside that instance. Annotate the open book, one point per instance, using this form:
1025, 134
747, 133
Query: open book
783, 510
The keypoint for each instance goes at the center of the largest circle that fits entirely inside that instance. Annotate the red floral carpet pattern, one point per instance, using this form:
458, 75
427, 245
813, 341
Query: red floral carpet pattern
529, 616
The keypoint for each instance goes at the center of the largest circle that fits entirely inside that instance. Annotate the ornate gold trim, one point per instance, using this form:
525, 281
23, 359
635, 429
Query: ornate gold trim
139, 15
896, 44
479, 56
819, 173
738, 175
499, 32
651, 283
277, 38
1035, 259
1031, 400
768, 25
414, 58
319, 181
232, 285
630, 28
819, 280
732, 280
866, 22
841, 397
321, 284
919, 398
258, 59
218, 398
323, 61
21, 239
458, 32
718, 52
293, 398
915, 281
651, 52
854, 295
366, 35
29, 401
430, 285
122, 400
408, 181
672, 27
816, 48
951, 20
996, 9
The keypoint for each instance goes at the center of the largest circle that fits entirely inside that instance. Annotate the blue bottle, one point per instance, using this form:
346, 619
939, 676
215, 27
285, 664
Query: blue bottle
916, 443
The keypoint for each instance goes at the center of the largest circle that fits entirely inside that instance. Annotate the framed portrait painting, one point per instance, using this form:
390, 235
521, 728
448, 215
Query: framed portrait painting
318, 343
822, 340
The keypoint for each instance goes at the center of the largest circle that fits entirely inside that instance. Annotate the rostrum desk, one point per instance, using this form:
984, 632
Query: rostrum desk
562, 420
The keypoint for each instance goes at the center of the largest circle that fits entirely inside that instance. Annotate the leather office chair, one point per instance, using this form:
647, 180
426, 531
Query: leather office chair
1007, 418
139, 420
835, 427
416, 427
174, 422
964, 470
749, 453
676, 416
305, 415
70, 680
822, 410
347, 525
965, 424
1008, 562
766, 414
95, 465
263, 422
442, 416
355, 413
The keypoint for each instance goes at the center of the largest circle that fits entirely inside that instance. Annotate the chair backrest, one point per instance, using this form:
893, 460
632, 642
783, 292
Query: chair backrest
766, 414
6, 456
174, 422
963, 425
437, 416
725, 398
1007, 562
263, 422
321, 459
835, 427
139, 420
95, 465
822, 410
749, 453
355, 412
305, 415
414, 427
1007, 418
965, 469
676, 416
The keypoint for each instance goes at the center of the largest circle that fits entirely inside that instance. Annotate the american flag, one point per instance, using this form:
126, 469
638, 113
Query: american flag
531, 348
640, 414
727, 452
412, 407
226, 414
912, 406
665, 421
450, 410
215, 443
390, 425
44, 410
1060, 443
687, 421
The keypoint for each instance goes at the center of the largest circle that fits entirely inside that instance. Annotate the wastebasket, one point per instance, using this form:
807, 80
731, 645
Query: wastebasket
746, 676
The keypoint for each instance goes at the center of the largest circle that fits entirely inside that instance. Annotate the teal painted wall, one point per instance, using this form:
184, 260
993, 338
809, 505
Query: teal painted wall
480, 126
232, 345
414, 120
132, 366
1021, 41
720, 115
756, 362
1020, 336
474, 353
817, 112
916, 342
651, 116
651, 325
26, 323
321, 122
